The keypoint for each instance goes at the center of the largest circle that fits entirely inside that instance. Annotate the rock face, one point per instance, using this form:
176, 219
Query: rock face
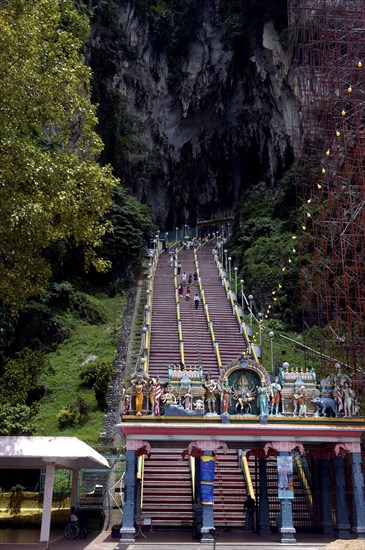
222, 125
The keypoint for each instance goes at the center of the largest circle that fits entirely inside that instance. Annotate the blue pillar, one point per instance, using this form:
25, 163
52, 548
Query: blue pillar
358, 523
207, 464
264, 516
198, 514
128, 530
286, 529
327, 524
342, 525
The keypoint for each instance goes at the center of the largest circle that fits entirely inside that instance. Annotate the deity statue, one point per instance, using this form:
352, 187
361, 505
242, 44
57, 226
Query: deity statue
302, 400
348, 399
168, 396
211, 389
188, 401
244, 398
139, 384
226, 396
152, 383
275, 389
263, 396
296, 393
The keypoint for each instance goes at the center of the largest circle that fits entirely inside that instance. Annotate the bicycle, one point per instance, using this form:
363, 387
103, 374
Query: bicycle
75, 531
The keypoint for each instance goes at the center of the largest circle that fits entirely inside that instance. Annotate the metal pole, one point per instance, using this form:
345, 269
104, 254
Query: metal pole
242, 281
271, 335
226, 263
260, 328
176, 230
230, 272
235, 280
251, 299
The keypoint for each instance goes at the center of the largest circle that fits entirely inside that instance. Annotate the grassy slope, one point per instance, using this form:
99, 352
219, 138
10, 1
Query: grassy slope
64, 386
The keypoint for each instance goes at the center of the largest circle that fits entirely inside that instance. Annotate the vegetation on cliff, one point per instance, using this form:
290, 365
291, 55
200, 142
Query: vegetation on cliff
59, 209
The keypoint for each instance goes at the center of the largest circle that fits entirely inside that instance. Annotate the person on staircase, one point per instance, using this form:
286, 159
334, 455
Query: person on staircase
183, 278
190, 279
187, 295
178, 268
195, 277
180, 290
196, 300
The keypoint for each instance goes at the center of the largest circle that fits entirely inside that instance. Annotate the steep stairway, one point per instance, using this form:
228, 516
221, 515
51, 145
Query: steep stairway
164, 345
198, 346
229, 491
167, 491
227, 332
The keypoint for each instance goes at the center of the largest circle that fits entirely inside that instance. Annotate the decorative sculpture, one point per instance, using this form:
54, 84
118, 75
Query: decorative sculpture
211, 388
348, 400
226, 396
139, 384
302, 400
275, 389
263, 397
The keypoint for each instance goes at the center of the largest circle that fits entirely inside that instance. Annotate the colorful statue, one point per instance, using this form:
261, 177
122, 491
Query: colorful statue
296, 393
244, 398
263, 396
348, 400
138, 387
168, 396
211, 388
188, 401
302, 400
152, 383
275, 388
226, 396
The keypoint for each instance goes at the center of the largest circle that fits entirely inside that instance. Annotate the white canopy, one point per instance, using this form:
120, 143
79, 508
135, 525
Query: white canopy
35, 452
49, 453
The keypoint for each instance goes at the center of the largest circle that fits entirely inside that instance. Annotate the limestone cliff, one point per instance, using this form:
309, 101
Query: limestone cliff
208, 123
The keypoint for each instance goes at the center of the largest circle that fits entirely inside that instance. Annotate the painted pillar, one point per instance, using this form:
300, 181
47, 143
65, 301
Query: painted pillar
358, 527
342, 519
205, 450
326, 503
134, 448
47, 504
264, 516
198, 514
207, 468
286, 529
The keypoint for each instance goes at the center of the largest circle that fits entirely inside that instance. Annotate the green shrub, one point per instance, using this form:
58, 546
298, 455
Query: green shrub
60, 294
20, 376
98, 376
67, 416
88, 308
16, 420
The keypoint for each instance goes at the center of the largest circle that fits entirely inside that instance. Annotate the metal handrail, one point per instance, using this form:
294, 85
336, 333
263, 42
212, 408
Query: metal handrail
206, 311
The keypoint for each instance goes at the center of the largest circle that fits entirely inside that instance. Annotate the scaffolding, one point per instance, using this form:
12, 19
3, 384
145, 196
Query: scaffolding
328, 46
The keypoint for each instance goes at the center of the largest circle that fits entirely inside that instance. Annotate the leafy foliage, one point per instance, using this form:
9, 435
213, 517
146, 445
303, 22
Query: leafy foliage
88, 308
262, 245
98, 376
51, 185
16, 420
20, 376
132, 228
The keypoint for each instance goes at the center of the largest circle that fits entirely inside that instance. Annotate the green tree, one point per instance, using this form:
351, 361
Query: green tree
16, 420
51, 186
132, 229
20, 376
